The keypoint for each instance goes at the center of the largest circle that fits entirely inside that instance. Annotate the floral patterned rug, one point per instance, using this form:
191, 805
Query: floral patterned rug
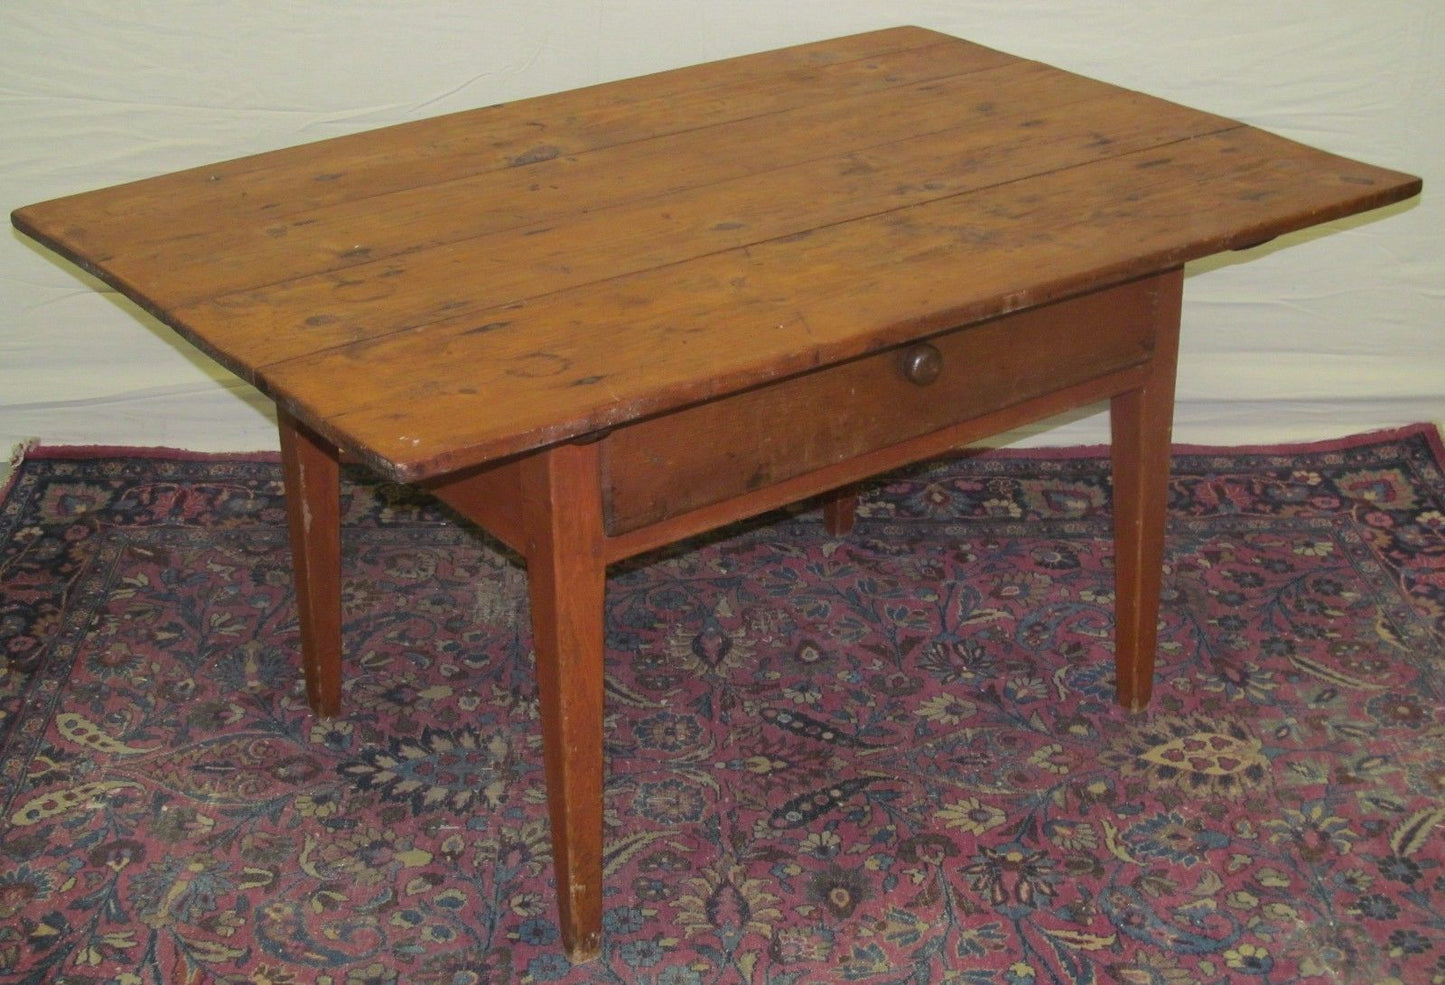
885, 758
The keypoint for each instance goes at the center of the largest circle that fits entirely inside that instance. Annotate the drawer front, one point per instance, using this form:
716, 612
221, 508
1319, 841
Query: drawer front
661, 467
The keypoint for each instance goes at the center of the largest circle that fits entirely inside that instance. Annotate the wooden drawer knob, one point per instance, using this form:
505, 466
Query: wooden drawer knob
921, 363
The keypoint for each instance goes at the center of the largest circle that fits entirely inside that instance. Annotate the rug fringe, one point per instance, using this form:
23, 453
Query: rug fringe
18, 453
1436, 436
11, 470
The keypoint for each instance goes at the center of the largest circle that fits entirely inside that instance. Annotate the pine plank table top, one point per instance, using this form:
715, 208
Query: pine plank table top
438, 294
600, 321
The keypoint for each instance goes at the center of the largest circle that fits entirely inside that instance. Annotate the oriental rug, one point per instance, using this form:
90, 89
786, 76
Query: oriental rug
891, 757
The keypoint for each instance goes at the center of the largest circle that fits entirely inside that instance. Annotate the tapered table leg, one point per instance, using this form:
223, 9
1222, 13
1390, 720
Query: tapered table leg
1141, 422
840, 510
313, 509
566, 571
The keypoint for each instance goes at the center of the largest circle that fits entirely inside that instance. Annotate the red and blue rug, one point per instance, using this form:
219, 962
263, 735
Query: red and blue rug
891, 757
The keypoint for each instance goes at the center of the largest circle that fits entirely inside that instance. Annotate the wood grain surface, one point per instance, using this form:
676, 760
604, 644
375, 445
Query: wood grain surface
440, 294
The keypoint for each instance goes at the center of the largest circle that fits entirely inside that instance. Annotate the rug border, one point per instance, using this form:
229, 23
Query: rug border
165, 452
28, 450
1431, 432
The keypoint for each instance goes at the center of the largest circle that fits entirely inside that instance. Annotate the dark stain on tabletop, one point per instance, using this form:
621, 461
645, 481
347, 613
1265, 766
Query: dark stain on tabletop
490, 326
536, 155
538, 364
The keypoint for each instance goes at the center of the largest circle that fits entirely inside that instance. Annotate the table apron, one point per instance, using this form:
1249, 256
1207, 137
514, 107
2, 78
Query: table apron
857, 418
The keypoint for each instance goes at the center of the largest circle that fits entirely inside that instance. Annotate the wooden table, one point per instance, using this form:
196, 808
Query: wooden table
600, 321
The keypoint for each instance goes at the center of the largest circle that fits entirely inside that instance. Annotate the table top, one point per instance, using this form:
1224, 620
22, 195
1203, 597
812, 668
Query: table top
439, 294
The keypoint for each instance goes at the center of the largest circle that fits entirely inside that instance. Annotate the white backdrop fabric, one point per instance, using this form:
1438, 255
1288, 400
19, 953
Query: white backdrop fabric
1328, 332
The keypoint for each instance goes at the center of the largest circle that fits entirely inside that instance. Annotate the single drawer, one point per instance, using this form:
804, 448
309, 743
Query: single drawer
664, 466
